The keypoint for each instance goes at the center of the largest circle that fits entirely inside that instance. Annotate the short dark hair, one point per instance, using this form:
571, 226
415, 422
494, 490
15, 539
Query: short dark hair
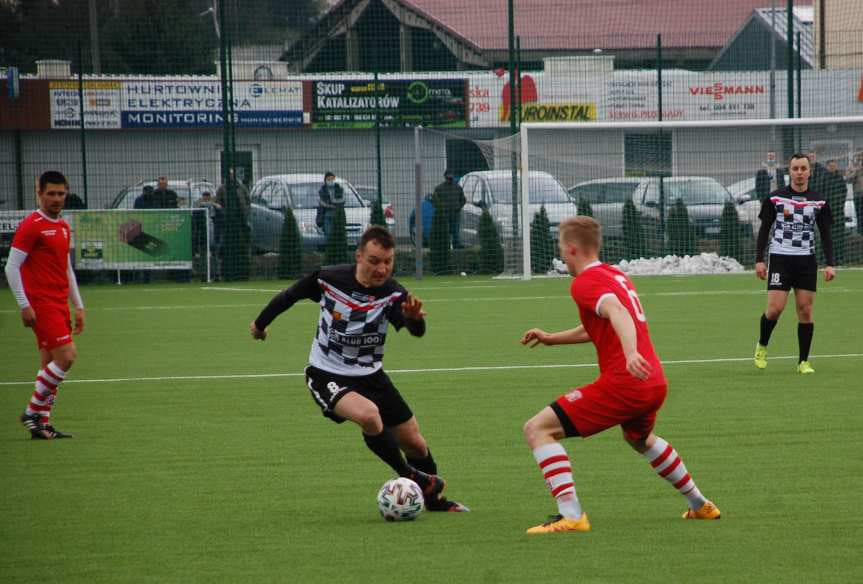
55, 177
328, 175
800, 155
378, 234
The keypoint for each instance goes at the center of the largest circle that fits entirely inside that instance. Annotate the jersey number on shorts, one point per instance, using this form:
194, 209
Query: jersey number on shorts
633, 299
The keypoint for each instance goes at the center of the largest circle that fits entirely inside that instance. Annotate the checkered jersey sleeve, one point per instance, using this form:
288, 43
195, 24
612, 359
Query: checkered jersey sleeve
306, 287
397, 318
767, 215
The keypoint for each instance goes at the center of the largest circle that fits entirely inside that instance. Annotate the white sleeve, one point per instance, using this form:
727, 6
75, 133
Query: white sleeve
74, 293
13, 276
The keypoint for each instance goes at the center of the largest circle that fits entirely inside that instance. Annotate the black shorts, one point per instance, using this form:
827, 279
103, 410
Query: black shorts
328, 388
790, 271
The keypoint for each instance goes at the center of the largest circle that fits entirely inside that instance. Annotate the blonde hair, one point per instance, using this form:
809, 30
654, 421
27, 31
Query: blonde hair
582, 230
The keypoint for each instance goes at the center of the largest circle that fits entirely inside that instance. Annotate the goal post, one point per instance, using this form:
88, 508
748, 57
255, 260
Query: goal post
703, 164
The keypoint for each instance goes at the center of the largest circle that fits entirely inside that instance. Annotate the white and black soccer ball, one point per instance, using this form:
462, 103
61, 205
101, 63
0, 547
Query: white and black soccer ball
400, 499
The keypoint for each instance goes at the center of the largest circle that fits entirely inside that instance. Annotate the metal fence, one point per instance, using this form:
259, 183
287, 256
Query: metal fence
253, 102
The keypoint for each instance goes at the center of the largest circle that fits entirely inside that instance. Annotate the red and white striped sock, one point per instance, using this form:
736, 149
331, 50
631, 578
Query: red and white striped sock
47, 381
557, 471
668, 464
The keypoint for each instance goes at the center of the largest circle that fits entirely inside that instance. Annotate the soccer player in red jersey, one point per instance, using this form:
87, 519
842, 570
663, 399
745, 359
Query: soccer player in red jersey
40, 275
628, 393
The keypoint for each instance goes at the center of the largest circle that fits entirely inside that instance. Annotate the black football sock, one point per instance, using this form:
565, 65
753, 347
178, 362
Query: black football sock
427, 464
804, 338
385, 447
767, 327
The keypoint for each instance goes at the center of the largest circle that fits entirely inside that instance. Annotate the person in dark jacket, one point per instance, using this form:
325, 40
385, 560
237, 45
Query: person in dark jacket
330, 196
145, 200
163, 197
448, 198
833, 190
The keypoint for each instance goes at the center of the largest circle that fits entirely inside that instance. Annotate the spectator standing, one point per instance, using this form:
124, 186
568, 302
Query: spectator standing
242, 196
73, 201
854, 176
448, 199
145, 200
833, 185
163, 197
768, 178
330, 196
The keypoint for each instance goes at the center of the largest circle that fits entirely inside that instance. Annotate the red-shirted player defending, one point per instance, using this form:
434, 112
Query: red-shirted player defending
39, 272
628, 393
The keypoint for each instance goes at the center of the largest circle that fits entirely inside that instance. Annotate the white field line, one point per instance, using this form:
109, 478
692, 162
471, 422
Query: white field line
427, 301
432, 370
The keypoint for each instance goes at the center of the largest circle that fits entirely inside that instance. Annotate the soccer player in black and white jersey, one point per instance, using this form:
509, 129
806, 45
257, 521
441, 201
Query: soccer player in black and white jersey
788, 218
358, 302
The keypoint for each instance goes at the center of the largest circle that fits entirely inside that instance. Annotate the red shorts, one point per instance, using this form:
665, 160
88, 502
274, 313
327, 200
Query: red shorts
53, 326
611, 402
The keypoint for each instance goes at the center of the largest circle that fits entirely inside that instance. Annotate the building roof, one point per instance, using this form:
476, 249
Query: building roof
589, 24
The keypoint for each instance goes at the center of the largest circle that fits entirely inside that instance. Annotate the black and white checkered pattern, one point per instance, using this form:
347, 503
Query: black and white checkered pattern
352, 327
794, 229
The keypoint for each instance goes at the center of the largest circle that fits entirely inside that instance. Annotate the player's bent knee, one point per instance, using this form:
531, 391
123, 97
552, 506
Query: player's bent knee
536, 432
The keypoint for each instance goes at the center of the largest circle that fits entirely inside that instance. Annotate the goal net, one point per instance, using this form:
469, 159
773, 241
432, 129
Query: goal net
679, 188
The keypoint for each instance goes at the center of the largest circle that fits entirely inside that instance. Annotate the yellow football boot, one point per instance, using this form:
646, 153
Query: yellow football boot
707, 511
559, 523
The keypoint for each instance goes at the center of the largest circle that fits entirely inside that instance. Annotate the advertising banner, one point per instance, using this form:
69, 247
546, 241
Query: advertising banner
198, 104
101, 105
132, 239
542, 99
433, 103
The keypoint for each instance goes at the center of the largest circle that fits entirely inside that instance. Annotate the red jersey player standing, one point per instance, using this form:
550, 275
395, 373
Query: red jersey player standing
40, 275
628, 393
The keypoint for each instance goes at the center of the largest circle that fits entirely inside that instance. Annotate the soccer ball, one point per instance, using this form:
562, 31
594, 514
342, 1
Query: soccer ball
400, 499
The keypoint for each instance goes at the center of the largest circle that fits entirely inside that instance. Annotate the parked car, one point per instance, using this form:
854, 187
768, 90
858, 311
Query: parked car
744, 193
492, 190
272, 195
188, 192
369, 195
705, 198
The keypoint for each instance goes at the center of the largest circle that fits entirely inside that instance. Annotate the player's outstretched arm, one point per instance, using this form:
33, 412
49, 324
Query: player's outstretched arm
621, 322
536, 336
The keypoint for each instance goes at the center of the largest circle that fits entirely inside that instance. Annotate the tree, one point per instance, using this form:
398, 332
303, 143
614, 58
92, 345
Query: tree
378, 214
681, 232
541, 243
730, 236
290, 247
633, 232
490, 248
584, 207
135, 36
439, 245
337, 242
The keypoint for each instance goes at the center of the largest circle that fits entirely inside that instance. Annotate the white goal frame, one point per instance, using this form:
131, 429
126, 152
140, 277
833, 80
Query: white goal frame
656, 125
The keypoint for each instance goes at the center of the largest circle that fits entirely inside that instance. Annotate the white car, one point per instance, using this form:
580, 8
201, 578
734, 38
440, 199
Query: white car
188, 192
272, 195
492, 190
749, 206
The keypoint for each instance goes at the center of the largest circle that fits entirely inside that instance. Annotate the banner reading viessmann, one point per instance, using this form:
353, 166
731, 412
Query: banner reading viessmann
435, 103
